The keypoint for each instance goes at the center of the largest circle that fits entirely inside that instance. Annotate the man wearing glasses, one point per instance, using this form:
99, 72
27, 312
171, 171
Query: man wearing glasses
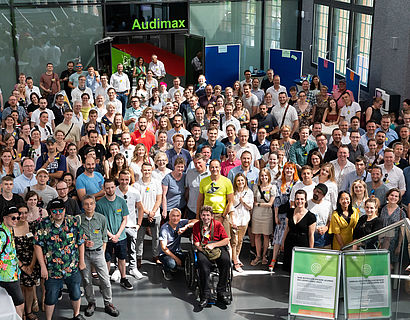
71, 205
392, 175
10, 271
26, 179
62, 260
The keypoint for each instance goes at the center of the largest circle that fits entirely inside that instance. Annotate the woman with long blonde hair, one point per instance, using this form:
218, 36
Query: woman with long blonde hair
327, 176
117, 129
152, 123
139, 157
358, 190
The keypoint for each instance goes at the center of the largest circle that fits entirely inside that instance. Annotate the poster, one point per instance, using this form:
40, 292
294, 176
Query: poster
367, 284
314, 287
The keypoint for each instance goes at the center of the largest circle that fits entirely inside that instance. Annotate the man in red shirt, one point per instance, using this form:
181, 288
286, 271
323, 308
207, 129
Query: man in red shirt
209, 234
142, 135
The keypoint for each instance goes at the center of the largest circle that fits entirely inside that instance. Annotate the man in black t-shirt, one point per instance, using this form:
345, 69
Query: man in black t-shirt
7, 198
268, 81
92, 143
65, 75
71, 206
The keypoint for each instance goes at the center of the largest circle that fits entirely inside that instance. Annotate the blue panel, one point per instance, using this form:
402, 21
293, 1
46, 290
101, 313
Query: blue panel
287, 64
326, 73
222, 64
353, 83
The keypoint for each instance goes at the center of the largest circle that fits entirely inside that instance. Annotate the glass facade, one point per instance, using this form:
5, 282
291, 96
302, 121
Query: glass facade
7, 61
321, 28
340, 35
361, 45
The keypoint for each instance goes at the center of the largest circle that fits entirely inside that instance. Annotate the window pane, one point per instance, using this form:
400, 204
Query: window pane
361, 46
340, 35
66, 33
273, 22
320, 32
368, 3
7, 62
347, 1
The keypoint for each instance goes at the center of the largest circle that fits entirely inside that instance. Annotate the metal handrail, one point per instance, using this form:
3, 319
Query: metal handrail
405, 222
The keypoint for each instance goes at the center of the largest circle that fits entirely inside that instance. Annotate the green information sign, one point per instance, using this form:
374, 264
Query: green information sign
314, 284
367, 287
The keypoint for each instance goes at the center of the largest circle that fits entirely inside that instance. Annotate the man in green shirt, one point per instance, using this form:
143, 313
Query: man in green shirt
115, 211
298, 153
94, 226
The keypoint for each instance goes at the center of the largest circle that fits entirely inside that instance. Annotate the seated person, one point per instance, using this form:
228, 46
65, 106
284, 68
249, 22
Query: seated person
171, 255
209, 234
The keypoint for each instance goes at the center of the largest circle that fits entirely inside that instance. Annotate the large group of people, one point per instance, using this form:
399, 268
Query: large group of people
88, 171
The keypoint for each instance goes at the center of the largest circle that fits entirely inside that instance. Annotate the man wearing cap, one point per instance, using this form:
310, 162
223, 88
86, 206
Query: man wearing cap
27, 178
59, 247
339, 91
322, 209
10, 271
53, 161
94, 226
177, 128
45, 192
218, 148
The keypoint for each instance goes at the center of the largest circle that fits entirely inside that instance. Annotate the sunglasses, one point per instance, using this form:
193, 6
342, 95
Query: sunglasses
15, 218
57, 211
385, 177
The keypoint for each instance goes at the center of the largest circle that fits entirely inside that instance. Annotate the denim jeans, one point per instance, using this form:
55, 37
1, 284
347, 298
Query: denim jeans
124, 100
53, 287
168, 263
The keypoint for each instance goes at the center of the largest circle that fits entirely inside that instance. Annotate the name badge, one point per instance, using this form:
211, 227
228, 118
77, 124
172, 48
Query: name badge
70, 235
29, 235
119, 210
96, 231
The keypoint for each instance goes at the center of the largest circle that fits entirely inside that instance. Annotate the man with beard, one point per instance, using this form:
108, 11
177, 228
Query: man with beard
142, 135
376, 188
177, 129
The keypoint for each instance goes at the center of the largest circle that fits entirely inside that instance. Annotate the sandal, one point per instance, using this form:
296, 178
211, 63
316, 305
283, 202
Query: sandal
31, 316
265, 261
256, 261
272, 265
35, 307
237, 267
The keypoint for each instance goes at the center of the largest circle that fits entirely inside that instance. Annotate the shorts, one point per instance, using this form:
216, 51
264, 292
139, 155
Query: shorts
119, 249
54, 286
14, 291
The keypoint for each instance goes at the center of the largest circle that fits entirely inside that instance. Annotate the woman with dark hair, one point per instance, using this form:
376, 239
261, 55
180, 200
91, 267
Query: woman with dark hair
36, 148
344, 220
142, 92
86, 105
209, 113
68, 178
34, 105
321, 104
156, 103
73, 159
8, 166
304, 110
119, 164
24, 138
300, 228
140, 70
315, 84
315, 162
117, 129
9, 128
10, 143
190, 145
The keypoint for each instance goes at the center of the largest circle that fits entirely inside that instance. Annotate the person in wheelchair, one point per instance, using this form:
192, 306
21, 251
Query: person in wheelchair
211, 241
170, 242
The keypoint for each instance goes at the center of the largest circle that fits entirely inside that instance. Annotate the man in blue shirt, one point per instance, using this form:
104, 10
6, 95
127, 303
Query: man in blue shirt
170, 242
53, 161
218, 148
27, 178
178, 151
391, 135
90, 182
250, 172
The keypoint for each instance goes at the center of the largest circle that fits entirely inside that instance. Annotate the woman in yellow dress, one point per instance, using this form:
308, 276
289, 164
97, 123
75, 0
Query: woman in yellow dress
343, 221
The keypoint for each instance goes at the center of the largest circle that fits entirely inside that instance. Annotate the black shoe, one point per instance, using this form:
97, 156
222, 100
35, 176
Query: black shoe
90, 309
111, 310
203, 302
78, 317
167, 275
224, 299
124, 282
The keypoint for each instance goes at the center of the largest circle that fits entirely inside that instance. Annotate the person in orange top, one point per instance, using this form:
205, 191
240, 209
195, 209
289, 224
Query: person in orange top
142, 135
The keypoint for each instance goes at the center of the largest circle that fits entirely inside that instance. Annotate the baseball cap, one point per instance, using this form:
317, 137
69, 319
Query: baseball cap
10, 210
42, 170
50, 140
55, 204
322, 187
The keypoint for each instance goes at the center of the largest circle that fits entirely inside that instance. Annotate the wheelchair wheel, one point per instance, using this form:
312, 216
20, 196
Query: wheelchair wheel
189, 266
229, 284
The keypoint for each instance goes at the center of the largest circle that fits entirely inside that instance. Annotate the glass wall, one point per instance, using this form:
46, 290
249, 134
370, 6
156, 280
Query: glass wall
57, 35
7, 62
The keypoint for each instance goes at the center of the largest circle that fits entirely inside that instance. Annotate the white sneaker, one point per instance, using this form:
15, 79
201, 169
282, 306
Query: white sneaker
116, 276
136, 274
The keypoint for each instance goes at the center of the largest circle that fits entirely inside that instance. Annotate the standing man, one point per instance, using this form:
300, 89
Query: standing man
275, 90
72, 132
103, 88
93, 143
339, 91
94, 227
249, 171
134, 220
175, 88
65, 76
120, 82
73, 79
177, 152
114, 99
350, 109
35, 116
133, 113
247, 79
267, 121
53, 161
127, 149
90, 181
360, 173
7, 197
325, 152
268, 81
250, 101
30, 88
49, 83
392, 175
376, 188
245, 145
14, 106
259, 93
208, 97
370, 134
299, 151
216, 191
59, 247
44, 191
58, 108
143, 135
116, 212
177, 128
82, 88
218, 148
342, 165
391, 135
71, 205
10, 265
27, 178
285, 114
229, 119
157, 68
355, 149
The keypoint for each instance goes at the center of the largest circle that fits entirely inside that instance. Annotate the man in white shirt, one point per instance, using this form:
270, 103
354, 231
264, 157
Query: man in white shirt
157, 68
247, 80
342, 165
230, 119
112, 97
306, 184
250, 101
275, 90
80, 89
350, 108
392, 175
100, 107
259, 93
289, 117
120, 82
78, 118
175, 88
245, 145
103, 88
30, 88
35, 116
127, 149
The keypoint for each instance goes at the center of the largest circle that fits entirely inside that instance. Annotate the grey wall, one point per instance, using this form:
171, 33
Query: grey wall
389, 68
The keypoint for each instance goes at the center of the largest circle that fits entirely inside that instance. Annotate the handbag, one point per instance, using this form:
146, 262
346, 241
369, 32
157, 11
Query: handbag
211, 254
277, 134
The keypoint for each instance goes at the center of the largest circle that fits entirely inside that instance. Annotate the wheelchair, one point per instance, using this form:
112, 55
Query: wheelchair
192, 277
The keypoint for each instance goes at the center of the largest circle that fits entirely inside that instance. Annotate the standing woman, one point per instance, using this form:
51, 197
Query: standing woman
209, 113
241, 113
161, 146
268, 101
140, 70
108, 118
300, 228
164, 124
161, 162
152, 123
34, 105
61, 144
73, 159
22, 95
30, 270
282, 206
219, 107
120, 163
237, 92
117, 129
272, 166
315, 162
139, 157
156, 103
142, 93
24, 138
8, 166
368, 224
331, 115
242, 205
343, 221
173, 189
9, 128
327, 177
190, 145
36, 148
315, 85
85, 105
114, 149
262, 219
68, 178
321, 105
286, 141
358, 190
304, 110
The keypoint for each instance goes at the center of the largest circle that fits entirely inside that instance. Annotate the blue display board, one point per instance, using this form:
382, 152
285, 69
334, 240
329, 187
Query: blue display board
353, 83
222, 64
326, 73
287, 64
